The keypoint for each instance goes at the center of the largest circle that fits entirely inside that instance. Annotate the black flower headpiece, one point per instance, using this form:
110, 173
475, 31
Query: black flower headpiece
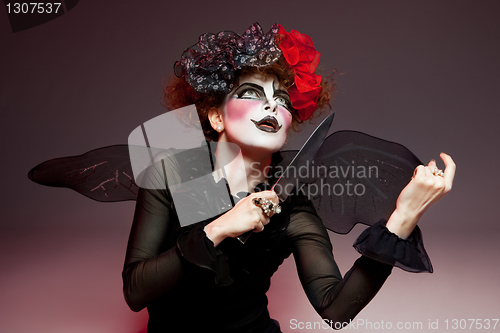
211, 64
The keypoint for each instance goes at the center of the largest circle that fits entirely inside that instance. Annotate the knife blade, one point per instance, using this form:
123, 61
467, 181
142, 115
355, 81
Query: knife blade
307, 152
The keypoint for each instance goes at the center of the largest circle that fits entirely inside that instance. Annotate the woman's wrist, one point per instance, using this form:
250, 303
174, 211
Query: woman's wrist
402, 223
215, 233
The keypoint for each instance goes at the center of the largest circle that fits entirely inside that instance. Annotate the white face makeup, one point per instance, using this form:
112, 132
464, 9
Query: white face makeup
256, 114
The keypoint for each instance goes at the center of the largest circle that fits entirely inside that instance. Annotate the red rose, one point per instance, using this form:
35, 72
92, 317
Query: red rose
299, 52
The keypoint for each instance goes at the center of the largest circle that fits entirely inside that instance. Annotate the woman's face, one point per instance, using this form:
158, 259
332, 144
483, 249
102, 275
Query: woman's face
256, 114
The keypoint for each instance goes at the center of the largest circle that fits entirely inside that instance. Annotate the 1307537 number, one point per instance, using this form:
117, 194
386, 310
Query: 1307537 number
471, 324
33, 7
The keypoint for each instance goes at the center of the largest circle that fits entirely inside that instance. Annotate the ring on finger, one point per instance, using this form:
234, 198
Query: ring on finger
437, 172
267, 206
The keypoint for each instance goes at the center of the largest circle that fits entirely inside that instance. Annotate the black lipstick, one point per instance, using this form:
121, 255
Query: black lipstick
267, 124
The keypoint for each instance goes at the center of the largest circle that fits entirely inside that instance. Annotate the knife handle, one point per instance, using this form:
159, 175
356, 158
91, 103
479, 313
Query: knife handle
244, 237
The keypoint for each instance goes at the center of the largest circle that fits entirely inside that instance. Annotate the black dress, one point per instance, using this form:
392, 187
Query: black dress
188, 285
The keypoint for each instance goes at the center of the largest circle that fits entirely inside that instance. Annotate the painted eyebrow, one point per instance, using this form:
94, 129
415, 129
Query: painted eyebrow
278, 92
281, 93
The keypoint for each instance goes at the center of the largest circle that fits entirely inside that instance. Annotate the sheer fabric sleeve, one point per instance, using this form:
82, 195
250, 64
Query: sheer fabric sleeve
153, 265
378, 243
334, 298
159, 254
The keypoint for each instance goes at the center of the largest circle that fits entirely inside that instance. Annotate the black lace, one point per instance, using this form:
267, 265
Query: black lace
211, 64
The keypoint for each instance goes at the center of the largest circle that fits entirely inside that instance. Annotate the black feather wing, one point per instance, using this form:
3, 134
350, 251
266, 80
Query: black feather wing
103, 174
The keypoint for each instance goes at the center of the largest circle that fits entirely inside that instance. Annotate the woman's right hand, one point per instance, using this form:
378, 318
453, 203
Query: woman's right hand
245, 216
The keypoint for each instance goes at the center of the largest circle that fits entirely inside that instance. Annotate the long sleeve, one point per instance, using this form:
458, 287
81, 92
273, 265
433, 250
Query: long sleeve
160, 254
378, 243
153, 265
334, 298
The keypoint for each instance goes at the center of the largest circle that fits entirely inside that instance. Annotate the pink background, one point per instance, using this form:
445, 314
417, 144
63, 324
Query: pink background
425, 74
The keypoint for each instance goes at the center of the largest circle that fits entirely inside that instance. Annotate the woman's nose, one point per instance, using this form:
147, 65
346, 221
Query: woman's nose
271, 106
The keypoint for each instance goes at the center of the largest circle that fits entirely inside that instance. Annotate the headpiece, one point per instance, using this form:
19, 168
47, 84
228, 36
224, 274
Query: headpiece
211, 64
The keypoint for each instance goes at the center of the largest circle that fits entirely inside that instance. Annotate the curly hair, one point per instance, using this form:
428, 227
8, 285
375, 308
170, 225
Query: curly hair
178, 93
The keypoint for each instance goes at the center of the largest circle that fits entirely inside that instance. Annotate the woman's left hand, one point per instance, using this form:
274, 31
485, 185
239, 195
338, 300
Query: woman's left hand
424, 190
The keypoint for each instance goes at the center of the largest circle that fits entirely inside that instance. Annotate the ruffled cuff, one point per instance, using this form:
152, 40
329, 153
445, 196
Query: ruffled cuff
378, 243
197, 248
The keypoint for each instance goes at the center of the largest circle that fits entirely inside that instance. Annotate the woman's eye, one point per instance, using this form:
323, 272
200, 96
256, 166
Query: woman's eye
250, 93
283, 102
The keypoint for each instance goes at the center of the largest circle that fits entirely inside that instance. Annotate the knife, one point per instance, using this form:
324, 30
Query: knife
306, 153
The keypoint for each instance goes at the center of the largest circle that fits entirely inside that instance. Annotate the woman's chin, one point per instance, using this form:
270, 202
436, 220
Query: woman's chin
267, 148
261, 143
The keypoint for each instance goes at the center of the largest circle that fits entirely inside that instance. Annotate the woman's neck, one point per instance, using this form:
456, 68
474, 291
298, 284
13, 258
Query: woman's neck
242, 170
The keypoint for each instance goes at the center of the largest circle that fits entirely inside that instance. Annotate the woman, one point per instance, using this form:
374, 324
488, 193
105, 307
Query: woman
250, 90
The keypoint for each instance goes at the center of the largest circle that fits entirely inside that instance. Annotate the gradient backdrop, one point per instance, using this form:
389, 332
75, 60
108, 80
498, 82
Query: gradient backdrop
425, 74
